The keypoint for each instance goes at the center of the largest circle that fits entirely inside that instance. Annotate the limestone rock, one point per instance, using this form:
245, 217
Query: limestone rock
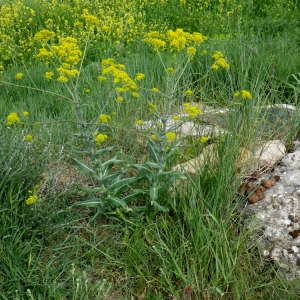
209, 155
270, 153
194, 165
276, 218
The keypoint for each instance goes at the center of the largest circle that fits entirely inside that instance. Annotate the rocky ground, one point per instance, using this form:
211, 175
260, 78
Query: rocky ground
276, 216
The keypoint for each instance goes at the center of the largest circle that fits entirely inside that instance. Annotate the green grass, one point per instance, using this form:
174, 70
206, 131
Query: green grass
200, 248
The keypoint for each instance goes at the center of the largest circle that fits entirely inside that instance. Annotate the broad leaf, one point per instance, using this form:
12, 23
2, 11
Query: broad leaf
146, 172
153, 193
85, 168
154, 151
99, 152
93, 190
154, 165
113, 160
116, 202
108, 179
80, 151
119, 187
89, 203
159, 207
133, 195
106, 166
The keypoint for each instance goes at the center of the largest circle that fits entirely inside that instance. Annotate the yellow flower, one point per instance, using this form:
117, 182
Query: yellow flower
31, 199
204, 139
135, 95
100, 138
139, 76
25, 113
101, 78
91, 20
204, 52
192, 111
44, 54
189, 92
139, 122
218, 55
176, 118
153, 136
87, 91
120, 99
29, 138
154, 89
12, 118
214, 67
160, 124
19, 76
62, 79
220, 61
49, 75
152, 107
191, 51
171, 136
103, 118
246, 94
44, 35
170, 70
236, 94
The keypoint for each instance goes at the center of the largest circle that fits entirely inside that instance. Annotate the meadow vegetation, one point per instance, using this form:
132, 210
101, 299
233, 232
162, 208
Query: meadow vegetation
89, 209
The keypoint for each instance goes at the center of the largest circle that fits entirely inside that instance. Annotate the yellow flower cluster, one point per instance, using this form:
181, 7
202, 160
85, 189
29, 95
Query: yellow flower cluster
156, 40
139, 77
49, 75
103, 118
91, 20
191, 51
67, 52
120, 99
44, 54
115, 21
29, 138
170, 70
244, 94
100, 138
44, 35
67, 72
12, 118
19, 76
204, 139
33, 198
175, 40
69, 55
117, 71
189, 92
192, 111
152, 107
139, 122
170, 136
220, 61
